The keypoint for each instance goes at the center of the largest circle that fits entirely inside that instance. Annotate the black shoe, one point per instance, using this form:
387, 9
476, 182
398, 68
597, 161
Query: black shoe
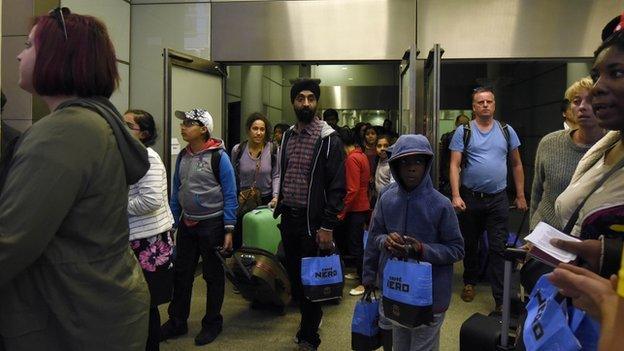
172, 329
207, 335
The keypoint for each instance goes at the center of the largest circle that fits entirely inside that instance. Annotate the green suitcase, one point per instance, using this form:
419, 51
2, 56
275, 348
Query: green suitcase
260, 230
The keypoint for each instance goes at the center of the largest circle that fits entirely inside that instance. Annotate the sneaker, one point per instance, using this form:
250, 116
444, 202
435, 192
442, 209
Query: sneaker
172, 329
206, 335
352, 276
357, 291
468, 293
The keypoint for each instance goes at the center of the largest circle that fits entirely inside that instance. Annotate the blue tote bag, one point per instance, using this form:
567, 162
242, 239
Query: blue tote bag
553, 324
407, 293
321, 277
365, 323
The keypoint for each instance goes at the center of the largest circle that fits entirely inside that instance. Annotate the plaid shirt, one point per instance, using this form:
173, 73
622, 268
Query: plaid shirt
300, 154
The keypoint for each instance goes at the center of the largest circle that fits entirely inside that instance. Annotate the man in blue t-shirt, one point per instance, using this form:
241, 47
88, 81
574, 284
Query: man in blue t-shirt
481, 200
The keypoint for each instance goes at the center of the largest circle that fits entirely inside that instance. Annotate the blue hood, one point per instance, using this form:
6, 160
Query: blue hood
411, 144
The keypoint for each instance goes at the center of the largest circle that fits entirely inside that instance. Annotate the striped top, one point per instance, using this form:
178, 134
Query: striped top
299, 158
148, 207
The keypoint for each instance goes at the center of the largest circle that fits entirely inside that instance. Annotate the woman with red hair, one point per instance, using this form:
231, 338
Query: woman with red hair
69, 280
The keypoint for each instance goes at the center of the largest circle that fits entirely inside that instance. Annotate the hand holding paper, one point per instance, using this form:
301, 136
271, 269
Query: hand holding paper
543, 250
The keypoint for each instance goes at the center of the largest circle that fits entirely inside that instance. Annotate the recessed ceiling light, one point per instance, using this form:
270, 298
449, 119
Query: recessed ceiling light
350, 78
345, 68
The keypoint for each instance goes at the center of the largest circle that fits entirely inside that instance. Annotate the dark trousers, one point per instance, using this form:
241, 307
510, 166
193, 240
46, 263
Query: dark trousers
201, 239
485, 214
355, 222
298, 244
153, 331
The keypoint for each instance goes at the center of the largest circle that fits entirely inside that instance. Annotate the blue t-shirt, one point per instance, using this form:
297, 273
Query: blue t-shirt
486, 157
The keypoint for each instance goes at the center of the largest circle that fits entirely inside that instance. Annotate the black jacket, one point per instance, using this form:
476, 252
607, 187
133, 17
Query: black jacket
326, 189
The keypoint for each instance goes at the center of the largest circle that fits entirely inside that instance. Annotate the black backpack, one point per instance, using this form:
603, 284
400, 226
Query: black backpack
445, 156
468, 132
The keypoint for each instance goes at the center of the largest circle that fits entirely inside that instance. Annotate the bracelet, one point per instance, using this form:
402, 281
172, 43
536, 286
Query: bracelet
327, 230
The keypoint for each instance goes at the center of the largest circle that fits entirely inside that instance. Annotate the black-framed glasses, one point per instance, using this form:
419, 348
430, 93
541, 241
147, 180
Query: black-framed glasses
59, 14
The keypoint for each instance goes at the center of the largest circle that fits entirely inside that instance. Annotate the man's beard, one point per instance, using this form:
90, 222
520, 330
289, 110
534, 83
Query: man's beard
304, 115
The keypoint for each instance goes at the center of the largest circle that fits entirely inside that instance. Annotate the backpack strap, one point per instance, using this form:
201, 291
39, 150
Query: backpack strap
236, 163
505, 129
215, 163
467, 134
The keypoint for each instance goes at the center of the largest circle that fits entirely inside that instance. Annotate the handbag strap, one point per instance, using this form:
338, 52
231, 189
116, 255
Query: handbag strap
575, 215
257, 169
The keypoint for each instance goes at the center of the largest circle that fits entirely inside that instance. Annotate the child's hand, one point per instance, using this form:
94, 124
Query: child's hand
416, 246
395, 244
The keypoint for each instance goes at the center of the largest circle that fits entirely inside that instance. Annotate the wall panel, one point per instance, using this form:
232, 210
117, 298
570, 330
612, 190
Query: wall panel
181, 27
514, 28
115, 14
312, 30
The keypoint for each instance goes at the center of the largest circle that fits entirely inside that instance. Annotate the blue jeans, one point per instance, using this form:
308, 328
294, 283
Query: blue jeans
422, 338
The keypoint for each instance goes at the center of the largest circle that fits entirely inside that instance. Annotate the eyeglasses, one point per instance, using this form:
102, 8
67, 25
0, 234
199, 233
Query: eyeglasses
190, 123
133, 127
59, 14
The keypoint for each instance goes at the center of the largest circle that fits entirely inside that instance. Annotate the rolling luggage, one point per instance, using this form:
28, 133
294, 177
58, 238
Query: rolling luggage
495, 332
259, 277
260, 230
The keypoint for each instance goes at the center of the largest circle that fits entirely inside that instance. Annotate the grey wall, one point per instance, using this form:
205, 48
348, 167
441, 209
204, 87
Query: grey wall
312, 30
183, 27
532, 105
514, 28
15, 28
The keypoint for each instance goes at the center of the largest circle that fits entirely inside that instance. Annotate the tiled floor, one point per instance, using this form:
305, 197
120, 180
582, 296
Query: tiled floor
253, 330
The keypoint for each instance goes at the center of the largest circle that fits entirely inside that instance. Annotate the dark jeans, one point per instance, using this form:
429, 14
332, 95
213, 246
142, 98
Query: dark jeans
153, 331
485, 213
355, 222
192, 242
298, 244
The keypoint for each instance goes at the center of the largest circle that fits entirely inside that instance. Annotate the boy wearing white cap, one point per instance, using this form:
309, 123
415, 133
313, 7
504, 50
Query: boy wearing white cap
203, 202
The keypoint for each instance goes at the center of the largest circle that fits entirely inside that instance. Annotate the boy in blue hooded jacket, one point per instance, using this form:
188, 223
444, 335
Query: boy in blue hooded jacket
413, 220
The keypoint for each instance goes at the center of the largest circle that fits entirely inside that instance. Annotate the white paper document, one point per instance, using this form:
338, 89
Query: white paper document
541, 236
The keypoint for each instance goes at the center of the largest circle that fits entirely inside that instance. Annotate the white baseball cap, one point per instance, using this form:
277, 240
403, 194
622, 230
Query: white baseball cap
197, 114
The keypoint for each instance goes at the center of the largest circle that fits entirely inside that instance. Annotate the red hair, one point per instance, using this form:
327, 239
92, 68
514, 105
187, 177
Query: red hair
83, 64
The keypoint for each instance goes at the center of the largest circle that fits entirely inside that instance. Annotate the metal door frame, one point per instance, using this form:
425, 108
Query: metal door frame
432, 107
175, 58
408, 66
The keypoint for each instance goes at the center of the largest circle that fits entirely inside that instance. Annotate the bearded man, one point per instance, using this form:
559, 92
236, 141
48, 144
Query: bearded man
311, 195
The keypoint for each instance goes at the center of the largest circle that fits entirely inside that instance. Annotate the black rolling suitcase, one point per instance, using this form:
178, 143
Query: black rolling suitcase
260, 277
496, 332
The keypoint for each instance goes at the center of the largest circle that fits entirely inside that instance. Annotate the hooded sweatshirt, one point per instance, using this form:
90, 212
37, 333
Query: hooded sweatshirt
422, 213
197, 193
64, 247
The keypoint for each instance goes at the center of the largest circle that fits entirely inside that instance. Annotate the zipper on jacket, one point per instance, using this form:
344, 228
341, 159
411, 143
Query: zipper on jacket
318, 153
